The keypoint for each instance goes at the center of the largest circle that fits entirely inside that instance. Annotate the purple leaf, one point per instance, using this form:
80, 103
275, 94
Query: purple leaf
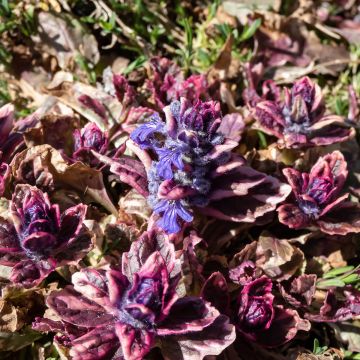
95, 105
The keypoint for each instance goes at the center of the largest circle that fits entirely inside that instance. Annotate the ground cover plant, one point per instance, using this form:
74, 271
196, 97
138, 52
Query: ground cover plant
179, 180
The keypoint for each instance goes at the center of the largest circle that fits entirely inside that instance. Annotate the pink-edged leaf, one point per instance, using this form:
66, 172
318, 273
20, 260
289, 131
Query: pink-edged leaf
92, 284
215, 291
71, 222
232, 126
292, 216
342, 220
188, 314
10, 249
283, 328
128, 171
254, 195
95, 105
100, 343
212, 340
74, 308
140, 250
30, 273
135, 343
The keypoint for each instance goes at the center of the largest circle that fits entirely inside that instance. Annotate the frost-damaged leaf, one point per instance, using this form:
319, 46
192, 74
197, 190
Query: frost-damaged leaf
274, 257
282, 258
70, 93
300, 291
33, 166
10, 318
53, 130
330, 354
317, 200
120, 236
129, 313
43, 165
135, 204
88, 181
18, 309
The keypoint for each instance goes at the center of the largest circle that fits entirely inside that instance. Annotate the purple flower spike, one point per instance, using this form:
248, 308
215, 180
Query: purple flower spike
299, 120
89, 138
194, 167
260, 320
171, 210
317, 199
144, 134
39, 237
129, 310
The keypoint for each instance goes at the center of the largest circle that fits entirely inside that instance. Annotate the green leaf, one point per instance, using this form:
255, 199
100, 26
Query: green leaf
337, 271
317, 349
350, 279
324, 284
137, 63
262, 140
340, 107
189, 35
213, 8
109, 25
4, 4
204, 57
352, 356
225, 30
316, 345
249, 31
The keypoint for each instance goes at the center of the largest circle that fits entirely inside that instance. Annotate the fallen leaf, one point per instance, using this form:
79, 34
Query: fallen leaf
64, 38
